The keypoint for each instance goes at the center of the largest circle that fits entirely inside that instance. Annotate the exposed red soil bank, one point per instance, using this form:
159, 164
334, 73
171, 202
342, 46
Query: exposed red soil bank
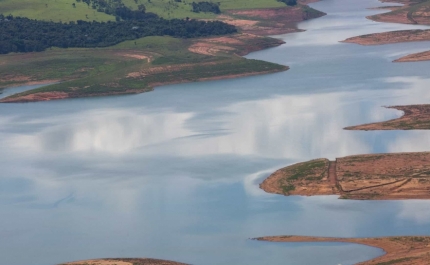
124, 261
415, 117
400, 250
361, 177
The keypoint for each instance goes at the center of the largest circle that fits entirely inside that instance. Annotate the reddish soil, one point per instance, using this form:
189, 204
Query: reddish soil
41, 96
270, 21
415, 117
413, 12
391, 37
415, 57
400, 250
361, 177
124, 261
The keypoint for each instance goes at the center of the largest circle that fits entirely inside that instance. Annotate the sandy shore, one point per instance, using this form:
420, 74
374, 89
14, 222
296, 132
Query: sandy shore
391, 37
400, 250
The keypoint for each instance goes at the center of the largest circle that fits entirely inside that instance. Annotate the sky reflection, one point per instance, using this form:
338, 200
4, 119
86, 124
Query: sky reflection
174, 173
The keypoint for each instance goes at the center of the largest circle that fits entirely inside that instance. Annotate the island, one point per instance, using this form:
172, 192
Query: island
124, 261
394, 176
399, 250
150, 44
415, 117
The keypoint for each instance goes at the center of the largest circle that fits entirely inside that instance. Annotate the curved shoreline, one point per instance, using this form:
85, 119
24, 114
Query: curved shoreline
223, 55
391, 176
399, 250
415, 117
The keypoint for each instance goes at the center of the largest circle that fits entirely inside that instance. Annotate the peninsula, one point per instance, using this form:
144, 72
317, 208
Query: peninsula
399, 250
413, 12
124, 261
396, 176
99, 66
415, 117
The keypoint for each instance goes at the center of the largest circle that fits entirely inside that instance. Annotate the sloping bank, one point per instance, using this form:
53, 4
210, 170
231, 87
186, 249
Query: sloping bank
138, 66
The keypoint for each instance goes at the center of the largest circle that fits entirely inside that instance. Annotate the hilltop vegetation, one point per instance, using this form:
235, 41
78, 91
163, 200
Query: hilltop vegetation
65, 11
26, 35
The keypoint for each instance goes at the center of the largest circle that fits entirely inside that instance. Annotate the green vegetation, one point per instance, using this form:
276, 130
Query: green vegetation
308, 168
206, 7
63, 10
26, 35
286, 189
108, 70
289, 2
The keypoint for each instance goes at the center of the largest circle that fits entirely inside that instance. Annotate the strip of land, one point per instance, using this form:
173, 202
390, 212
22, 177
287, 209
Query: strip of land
138, 66
415, 117
399, 250
124, 261
391, 37
413, 12
396, 176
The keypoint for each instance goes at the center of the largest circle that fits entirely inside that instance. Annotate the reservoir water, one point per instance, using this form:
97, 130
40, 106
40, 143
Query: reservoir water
174, 173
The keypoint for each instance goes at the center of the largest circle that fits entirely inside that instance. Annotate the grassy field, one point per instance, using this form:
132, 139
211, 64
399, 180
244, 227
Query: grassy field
129, 67
62, 10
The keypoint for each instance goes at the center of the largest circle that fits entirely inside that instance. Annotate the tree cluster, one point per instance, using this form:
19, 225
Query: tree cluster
206, 7
27, 35
289, 2
116, 8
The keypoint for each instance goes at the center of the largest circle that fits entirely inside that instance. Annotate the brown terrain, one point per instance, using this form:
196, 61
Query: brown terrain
270, 21
391, 37
412, 12
415, 57
399, 250
361, 177
128, 261
416, 117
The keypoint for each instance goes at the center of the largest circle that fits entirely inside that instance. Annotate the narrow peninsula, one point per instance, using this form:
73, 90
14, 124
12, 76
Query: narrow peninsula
124, 261
399, 250
415, 117
412, 12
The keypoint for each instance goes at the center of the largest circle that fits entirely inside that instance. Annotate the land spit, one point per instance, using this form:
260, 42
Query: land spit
415, 117
124, 261
399, 250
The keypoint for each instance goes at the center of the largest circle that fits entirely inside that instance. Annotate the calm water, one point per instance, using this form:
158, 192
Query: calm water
174, 173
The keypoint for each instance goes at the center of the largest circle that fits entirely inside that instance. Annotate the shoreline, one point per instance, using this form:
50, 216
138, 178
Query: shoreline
400, 250
254, 26
123, 261
388, 176
415, 117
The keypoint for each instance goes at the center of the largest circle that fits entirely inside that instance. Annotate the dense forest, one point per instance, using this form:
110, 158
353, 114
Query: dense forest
27, 35
116, 8
289, 2
206, 7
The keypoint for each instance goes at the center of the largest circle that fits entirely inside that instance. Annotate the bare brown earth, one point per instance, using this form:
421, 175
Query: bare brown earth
270, 21
416, 117
413, 12
124, 261
361, 177
391, 37
400, 250
415, 57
